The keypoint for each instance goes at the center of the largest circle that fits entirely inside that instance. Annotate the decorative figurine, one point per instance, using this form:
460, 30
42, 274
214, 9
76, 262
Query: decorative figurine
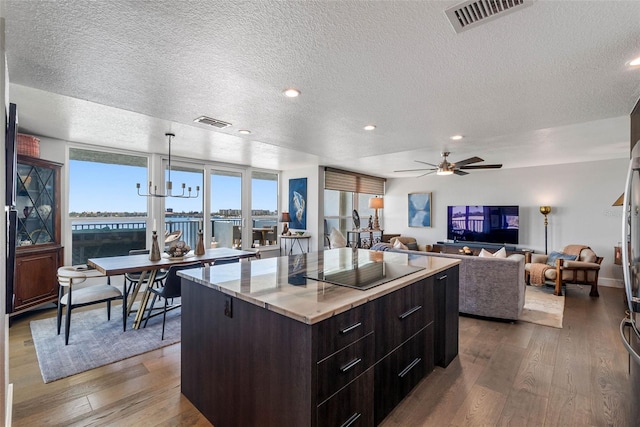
200, 244
155, 250
370, 226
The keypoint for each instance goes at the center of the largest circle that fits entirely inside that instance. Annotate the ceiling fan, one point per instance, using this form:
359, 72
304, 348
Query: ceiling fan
447, 168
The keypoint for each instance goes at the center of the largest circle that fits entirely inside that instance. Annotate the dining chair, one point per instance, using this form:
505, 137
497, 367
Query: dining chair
172, 289
134, 278
69, 277
227, 260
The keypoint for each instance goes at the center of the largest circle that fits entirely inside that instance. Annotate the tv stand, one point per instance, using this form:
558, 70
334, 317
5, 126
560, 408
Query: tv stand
476, 247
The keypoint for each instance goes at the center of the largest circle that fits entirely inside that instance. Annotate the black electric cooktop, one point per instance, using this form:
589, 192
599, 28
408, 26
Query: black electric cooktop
360, 275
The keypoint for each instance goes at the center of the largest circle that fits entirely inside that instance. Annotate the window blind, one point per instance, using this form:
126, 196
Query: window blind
340, 180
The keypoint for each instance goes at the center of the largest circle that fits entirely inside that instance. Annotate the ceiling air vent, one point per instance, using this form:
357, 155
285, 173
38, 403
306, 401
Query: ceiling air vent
212, 122
473, 13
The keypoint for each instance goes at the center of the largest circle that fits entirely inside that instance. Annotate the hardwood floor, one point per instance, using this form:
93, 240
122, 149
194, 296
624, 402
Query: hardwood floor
506, 374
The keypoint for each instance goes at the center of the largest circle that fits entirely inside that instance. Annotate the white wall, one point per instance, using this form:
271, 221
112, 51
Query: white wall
315, 201
580, 196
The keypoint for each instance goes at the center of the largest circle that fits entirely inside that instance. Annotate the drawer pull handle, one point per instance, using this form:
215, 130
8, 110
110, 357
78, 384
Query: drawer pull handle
352, 419
442, 277
406, 370
351, 364
409, 312
350, 328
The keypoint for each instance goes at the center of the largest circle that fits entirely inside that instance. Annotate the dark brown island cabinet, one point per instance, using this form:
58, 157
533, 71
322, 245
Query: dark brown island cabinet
246, 364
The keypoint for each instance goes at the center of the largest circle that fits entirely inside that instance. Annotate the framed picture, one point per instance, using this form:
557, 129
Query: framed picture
298, 203
420, 210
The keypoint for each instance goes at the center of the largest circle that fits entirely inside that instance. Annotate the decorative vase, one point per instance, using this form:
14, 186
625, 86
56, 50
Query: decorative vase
200, 244
155, 250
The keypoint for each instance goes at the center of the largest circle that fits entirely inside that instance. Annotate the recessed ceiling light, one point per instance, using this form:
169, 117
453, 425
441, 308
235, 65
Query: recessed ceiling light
457, 137
291, 93
635, 62
244, 131
369, 127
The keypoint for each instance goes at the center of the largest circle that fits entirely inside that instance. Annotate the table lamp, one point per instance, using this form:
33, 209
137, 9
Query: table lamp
286, 218
376, 203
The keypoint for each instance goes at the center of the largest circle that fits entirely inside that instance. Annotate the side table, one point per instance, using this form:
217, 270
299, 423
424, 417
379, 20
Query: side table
290, 241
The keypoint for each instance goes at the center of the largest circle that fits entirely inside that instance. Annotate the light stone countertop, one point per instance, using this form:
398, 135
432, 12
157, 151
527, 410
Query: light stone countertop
279, 285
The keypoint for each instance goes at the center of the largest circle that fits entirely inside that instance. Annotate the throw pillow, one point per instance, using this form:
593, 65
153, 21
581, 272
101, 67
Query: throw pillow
337, 239
413, 246
502, 253
553, 256
485, 253
398, 245
380, 246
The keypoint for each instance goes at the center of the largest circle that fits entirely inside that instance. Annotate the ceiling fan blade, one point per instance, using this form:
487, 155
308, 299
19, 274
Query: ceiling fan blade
425, 163
415, 170
468, 161
459, 172
428, 173
482, 167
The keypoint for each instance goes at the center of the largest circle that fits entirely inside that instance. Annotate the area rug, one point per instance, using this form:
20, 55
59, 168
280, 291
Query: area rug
542, 307
95, 342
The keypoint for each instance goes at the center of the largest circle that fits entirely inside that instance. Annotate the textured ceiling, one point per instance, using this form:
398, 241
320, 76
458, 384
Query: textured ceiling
545, 85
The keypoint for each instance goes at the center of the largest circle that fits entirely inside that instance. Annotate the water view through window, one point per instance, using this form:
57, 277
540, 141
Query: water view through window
108, 218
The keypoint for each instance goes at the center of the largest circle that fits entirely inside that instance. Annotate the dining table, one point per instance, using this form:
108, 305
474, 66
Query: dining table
117, 265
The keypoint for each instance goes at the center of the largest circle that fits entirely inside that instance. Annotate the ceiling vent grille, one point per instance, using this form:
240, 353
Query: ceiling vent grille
473, 13
212, 122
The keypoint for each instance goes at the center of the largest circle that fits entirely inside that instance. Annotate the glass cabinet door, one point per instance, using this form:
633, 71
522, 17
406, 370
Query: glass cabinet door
36, 205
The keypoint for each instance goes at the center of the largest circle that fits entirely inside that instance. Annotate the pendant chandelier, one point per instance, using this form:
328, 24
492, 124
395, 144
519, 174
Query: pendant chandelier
153, 190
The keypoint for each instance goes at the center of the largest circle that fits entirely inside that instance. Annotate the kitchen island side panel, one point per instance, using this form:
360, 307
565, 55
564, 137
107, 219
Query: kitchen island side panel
253, 368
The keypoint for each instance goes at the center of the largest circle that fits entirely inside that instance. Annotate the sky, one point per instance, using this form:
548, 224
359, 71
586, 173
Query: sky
112, 188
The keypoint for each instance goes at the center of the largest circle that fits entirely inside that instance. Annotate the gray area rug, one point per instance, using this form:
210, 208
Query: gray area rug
542, 307
95, 342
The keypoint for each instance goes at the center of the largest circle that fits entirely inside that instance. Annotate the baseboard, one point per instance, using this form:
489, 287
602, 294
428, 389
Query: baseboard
610, 283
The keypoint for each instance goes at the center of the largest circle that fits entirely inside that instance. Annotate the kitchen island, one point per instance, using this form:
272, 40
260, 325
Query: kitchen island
265, 344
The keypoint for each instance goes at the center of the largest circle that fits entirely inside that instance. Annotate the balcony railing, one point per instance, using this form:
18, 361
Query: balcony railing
114, 238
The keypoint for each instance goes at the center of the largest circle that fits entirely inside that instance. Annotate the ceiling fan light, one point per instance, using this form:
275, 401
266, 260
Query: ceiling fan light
444, 171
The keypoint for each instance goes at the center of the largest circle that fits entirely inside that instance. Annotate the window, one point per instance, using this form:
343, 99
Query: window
107, 216
345, 190
226, 208
264, 213
184, 214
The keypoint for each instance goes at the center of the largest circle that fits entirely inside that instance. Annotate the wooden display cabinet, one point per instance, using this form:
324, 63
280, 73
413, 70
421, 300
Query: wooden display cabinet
39, 252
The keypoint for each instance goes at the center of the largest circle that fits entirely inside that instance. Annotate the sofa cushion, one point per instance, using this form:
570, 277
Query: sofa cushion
553, 256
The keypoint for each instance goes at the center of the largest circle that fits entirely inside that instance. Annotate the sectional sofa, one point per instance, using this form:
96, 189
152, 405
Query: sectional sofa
489, 287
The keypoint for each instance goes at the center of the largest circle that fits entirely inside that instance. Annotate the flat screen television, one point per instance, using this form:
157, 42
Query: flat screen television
486, 224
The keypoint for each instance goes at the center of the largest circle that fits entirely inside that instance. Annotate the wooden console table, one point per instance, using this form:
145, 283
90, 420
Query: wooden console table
453, 248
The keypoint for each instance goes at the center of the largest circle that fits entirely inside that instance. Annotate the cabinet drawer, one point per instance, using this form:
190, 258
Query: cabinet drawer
401, 370
399, 316
339, 331
351, 407
338, 370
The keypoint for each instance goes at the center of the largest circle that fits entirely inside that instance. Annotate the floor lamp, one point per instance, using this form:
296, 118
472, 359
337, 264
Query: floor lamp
545, 210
